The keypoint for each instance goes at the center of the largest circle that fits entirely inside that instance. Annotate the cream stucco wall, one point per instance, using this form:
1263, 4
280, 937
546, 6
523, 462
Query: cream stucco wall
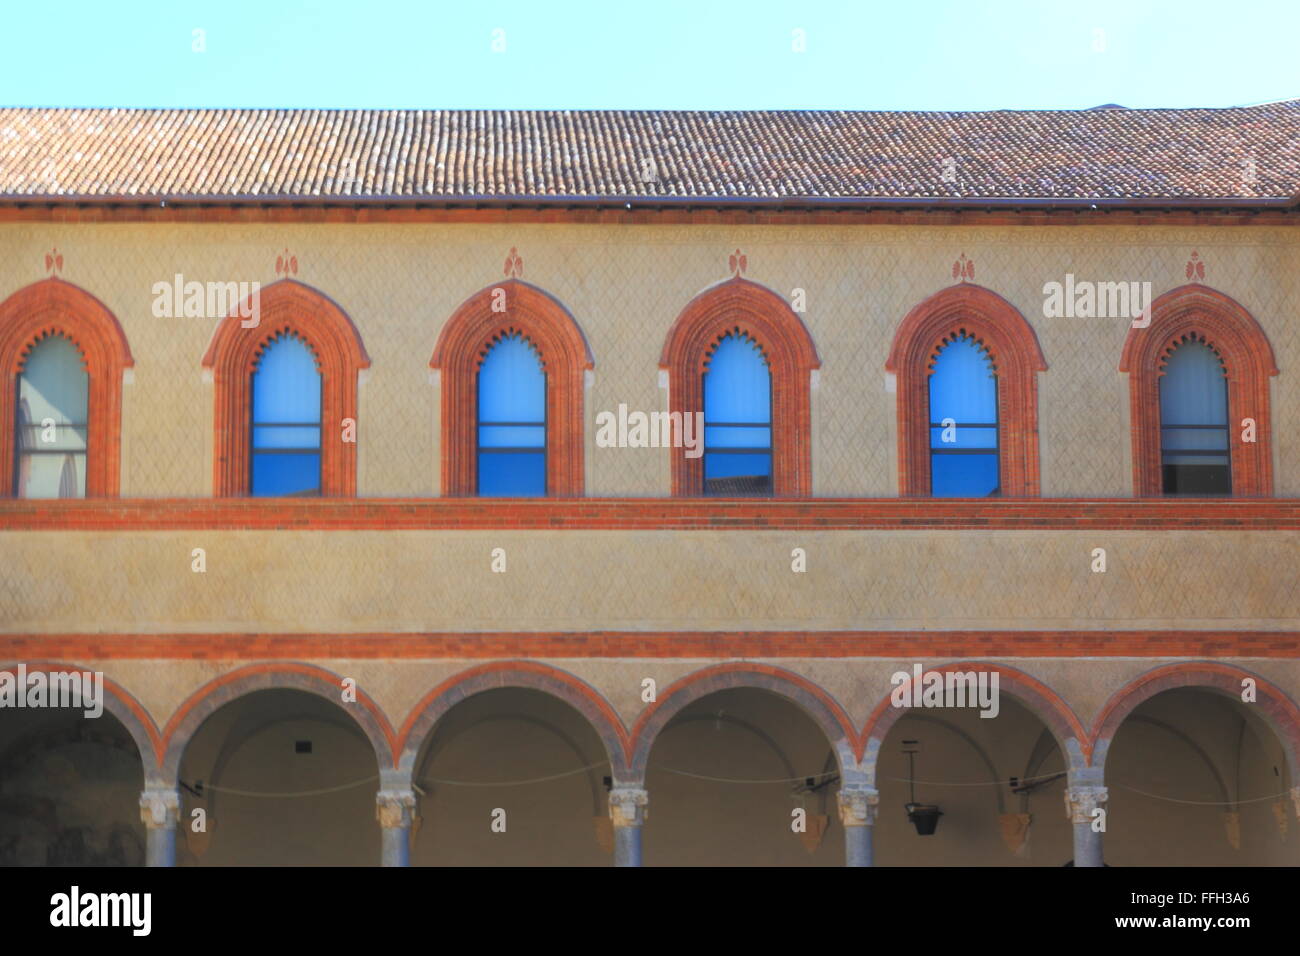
569, 580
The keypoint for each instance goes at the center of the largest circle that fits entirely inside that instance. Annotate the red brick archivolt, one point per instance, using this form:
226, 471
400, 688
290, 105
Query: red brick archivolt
463, 344
54, 307
1277, 708
1013, 348
749, 309
1197, 311
1038, 698
119, 702
286, 675
286, 306
424, 717
824, 710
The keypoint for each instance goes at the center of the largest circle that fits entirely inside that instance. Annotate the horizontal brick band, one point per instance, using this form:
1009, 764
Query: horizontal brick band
378, 514
636, 644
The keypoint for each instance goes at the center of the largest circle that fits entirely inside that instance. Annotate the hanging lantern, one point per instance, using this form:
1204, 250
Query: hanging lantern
923, 816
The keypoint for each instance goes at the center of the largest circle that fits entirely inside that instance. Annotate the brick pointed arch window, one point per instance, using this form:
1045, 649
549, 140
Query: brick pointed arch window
501, 312
287, 308
741, 309
1005, 338
41, 313
1194, 314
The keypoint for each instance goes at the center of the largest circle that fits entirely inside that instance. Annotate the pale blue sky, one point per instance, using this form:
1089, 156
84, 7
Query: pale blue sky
671, 54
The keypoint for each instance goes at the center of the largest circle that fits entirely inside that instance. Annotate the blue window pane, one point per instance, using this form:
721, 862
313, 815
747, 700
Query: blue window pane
286, 432
512, 474
963, 386
737, 385
738, 466
53, 387
719, 436
1194, 422
511, 384
1193, 390
965, 436
286, 385
963, 476
1198, 439
277, 475
737, 415
512, 421
963, 389
512, 436
286, 436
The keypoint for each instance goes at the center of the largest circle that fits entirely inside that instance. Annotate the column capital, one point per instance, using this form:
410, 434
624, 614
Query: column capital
395, 809
628, 806
1080, 801
858, 806
160, 809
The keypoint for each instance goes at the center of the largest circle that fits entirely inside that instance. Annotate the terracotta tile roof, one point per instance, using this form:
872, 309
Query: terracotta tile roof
465, 155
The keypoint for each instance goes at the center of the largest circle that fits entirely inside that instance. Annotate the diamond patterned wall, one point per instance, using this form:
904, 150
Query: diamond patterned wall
355, 581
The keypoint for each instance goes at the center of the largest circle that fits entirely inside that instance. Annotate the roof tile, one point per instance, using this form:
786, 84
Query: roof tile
825, 156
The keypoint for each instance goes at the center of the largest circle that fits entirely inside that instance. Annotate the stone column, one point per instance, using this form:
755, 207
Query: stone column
628, 810
858, 814
160, 809
395, 810
1080, 802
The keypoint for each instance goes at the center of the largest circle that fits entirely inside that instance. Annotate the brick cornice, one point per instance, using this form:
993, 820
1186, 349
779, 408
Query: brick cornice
285, 306
739, 305
641, 213
1017, 358
565, 355
1248, 362
658, 514
55, 307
